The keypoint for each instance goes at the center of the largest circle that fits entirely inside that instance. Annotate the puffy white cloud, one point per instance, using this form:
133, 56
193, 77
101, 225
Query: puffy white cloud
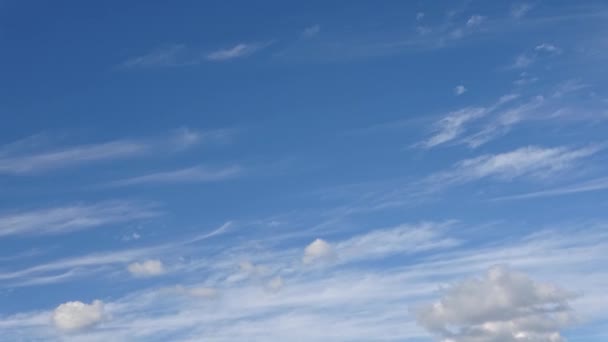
316, 251
72, 316
148, 268
501, 306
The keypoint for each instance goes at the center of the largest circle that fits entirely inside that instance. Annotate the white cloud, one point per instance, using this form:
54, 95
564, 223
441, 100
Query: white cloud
520, 10
148, 268
523, 61
545, 47
72, 316
452, 126
200, 291
403, 239
597, 184
317, 250
311, 31
168, 56
475, 20
419, 16
196, 174
530, 161
459, 90
503, 305
66, 219
350, 303
30, 160
239, 50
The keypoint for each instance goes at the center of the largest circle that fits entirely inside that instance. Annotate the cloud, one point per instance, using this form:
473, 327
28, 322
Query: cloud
597, 184
60, 220
317, 250
196, 174
530, 161
503, 305
148, 268
475, 20
72, 316
311, 31
545, 47
452, 125
31, 160
168, 56
403, 239
275, 284
523, 61
180, 55
459, 90
348, 303
520, 10
503, 121
199, 291
237, 51
526, 59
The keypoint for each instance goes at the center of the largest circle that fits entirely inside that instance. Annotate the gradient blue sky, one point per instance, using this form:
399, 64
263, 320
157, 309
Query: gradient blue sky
303, 171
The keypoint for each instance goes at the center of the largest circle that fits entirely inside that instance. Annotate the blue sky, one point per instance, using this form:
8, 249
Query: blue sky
303, 171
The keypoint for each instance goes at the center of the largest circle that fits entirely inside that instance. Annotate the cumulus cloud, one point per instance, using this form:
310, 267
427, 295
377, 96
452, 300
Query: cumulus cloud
317, 250
72, 316
148, 268
501, 306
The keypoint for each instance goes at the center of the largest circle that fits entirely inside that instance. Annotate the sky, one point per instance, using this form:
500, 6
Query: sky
304, 171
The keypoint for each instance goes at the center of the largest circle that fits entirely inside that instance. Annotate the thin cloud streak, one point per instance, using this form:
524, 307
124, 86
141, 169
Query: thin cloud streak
31, 160
196, 174
61, 220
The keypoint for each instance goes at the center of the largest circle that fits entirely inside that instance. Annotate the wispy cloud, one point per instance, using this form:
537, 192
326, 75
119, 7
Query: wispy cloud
453, 125
59, 220
168, 56
518, 11
180, 55
353, 303
532, 161
459, 90
194, 174
526, 59
37, 158
311, 31
597, 184
237, 51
